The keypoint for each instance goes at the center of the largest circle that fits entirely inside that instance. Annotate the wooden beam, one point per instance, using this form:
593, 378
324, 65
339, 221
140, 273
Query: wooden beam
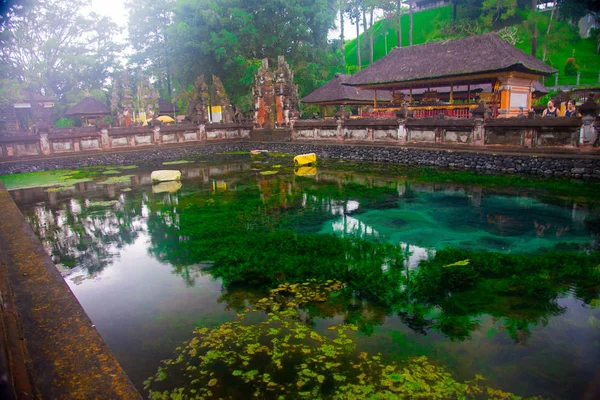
459, 80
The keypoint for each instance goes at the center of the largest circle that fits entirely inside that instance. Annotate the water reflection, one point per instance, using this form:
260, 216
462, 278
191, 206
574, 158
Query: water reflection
151, 253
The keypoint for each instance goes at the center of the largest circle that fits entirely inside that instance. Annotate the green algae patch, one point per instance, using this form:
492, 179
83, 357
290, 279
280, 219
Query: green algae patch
111, 172
268, 172
116, 179
126, 167
42, 179
177, 162
60, 189
283, 357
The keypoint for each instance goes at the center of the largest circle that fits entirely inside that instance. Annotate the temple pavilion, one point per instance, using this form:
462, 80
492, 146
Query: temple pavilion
477, 61
335, 93
88, 110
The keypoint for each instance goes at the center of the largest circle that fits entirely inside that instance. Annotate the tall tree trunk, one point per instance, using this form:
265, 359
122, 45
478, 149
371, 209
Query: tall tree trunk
342, 31
548, 34
410, 31
533, 5
364, 13
534, 40
454, 13
371, 37
399, 4
358, 41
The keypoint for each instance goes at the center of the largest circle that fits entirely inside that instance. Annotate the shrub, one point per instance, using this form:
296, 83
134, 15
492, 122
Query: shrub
64, 123
571, 67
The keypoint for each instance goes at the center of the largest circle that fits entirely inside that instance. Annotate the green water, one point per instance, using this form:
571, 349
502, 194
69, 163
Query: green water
499, 282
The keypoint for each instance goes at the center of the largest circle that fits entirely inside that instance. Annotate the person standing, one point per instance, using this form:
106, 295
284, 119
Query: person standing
551, 110
571, 110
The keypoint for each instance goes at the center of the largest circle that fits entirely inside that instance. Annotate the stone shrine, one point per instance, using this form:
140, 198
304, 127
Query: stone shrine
197, 109
275, 96
219, 98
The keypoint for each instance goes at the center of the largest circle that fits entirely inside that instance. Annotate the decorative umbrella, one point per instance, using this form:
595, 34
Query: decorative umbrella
165, 118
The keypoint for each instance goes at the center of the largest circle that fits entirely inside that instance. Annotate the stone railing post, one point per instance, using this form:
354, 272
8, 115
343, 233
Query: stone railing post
202, 131
340, 129
292, 130
44, 144
105, 139
478, 114
588, 136
157, 135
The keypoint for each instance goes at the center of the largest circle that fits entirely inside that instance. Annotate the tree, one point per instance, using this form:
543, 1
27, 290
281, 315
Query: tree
354, 14
399, 14
228, 38
51, 47
495, 10
411, 6
149, 23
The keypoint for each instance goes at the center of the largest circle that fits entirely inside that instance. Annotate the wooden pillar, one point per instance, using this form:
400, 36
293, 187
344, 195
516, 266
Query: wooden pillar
504, 99
410, 97
452, 93
375, 98
469, 93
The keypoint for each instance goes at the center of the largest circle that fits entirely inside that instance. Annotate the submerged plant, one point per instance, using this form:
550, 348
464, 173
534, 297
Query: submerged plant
281, 357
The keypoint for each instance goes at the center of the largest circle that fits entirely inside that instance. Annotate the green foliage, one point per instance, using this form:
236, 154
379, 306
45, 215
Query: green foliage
64, 123
571, 67
10, 92
228, 39
56, 46
283, 357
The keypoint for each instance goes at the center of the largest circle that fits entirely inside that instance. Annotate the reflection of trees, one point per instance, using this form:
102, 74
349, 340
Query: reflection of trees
86, 234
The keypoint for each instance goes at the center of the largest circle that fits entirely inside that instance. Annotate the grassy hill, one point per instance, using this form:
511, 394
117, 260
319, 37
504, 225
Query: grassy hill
563, 44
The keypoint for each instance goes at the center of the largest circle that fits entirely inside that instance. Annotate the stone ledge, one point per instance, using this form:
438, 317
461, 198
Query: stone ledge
67, 357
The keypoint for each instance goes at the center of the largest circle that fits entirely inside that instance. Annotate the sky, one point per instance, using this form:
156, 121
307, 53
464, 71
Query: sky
116, 10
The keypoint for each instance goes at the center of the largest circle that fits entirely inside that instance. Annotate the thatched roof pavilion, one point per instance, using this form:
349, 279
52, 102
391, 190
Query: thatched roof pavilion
472, 60
88, 107
167, 108
336, 93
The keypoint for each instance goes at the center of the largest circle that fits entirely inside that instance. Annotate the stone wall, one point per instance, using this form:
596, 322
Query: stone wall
76, 140
579, 166
513, 133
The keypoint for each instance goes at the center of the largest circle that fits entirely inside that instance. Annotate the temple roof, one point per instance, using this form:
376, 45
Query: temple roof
88, 106
335, 92
540, 89
30, 96
474, 55
166, 107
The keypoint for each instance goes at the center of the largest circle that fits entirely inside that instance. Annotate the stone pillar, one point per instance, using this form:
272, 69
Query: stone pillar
588, 136
202, 131
402, 132
528, 139
340, 129
44, 144
478, 114
157, 135
105, 139
76, 146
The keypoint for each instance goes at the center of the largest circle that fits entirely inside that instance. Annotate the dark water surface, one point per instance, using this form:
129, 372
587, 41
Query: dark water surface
133, 255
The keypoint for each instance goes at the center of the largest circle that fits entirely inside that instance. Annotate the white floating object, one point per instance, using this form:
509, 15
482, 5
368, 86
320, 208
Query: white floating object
170, 187
165, 175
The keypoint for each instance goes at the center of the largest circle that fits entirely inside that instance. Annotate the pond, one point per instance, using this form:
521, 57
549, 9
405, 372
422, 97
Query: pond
379, 284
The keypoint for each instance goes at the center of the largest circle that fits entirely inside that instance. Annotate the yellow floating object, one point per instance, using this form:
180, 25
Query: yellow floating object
306, 171
165, 118
165, 175
170, 187
304, 159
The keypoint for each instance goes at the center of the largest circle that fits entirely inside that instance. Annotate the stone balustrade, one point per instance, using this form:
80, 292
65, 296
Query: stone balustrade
463, 132
77, 140
576, 134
